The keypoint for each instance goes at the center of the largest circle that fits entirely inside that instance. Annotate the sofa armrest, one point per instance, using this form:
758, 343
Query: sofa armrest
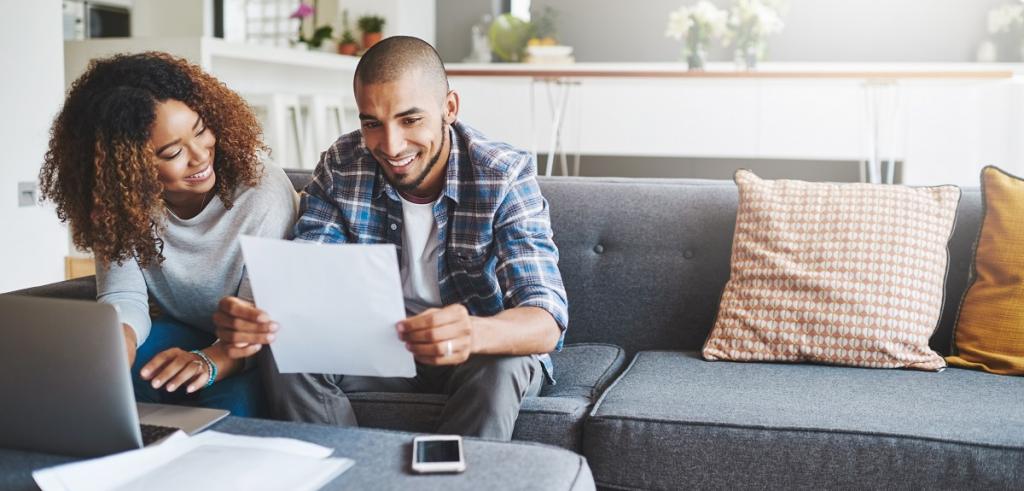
83, 288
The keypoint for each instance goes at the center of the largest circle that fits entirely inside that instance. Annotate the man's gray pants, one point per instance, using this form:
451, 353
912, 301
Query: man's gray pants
484, 393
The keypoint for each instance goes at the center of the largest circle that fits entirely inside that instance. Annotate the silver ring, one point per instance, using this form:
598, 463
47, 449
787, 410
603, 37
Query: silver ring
448, 348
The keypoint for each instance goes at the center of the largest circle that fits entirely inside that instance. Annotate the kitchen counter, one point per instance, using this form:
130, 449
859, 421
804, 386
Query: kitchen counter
728, 70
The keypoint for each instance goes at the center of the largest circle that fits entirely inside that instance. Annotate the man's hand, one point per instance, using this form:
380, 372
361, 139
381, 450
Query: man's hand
242, 327
130, 342
439, 336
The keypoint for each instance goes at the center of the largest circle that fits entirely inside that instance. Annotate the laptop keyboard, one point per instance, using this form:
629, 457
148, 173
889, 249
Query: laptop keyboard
153, 433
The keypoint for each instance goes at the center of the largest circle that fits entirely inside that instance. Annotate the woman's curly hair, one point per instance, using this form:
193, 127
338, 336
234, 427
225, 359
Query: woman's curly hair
100, 170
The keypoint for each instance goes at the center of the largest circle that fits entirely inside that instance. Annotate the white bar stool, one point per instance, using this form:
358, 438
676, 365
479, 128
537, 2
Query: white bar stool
283, 128
558, 92
883, 115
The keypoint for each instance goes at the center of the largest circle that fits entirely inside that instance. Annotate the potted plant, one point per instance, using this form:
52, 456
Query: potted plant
347, 44
303, 11
321, 38
696, 26
372, 27
543, 30
750, 22
1008, 18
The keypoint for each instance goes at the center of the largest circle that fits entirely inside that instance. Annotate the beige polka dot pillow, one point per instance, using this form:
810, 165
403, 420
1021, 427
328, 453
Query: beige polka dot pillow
843, 274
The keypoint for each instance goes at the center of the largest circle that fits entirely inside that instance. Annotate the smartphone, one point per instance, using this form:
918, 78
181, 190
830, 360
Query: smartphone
437, 453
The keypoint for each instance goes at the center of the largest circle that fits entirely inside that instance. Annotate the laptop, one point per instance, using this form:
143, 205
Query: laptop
65, 382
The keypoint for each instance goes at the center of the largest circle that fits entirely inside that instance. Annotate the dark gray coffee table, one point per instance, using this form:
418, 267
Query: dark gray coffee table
382, 460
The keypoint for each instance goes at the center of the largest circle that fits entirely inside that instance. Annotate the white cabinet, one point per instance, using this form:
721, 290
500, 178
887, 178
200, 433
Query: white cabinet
954, 130
499, 107
944, 121
667, 117
817, 120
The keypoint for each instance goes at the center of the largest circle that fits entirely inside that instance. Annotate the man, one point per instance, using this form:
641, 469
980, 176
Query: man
478, 266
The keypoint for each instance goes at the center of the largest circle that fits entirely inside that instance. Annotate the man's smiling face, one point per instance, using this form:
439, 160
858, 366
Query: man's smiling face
404, 124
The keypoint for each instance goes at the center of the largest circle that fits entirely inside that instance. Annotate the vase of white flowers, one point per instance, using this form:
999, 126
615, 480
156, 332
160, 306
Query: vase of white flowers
750, 24
1008, 18
698, 25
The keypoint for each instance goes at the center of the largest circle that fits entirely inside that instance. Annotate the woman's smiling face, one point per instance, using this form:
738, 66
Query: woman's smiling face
185, 150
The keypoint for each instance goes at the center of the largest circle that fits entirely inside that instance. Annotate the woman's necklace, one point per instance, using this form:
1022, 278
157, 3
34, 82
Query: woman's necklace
207, 198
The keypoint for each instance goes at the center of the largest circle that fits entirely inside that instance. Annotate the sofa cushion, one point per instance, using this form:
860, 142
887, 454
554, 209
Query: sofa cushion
673, 418
556, 417
989, 333
83, 288
300, 178
847, 274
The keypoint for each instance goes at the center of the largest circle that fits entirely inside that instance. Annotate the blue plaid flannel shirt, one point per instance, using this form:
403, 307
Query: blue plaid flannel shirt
493, 224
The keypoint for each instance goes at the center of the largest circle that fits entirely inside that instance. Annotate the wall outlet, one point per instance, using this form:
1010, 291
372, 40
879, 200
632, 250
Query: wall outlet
27, 193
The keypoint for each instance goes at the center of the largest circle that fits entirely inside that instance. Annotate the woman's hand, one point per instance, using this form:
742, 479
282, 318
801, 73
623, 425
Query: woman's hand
175, 368
130, 342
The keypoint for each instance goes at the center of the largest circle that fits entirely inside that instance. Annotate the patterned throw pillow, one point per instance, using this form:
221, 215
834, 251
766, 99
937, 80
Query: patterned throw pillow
843, 274
989, 333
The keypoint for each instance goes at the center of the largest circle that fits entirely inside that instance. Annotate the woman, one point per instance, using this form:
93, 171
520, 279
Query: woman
156, 165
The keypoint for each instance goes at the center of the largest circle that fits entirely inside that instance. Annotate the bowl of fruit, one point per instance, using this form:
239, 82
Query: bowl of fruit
547, 50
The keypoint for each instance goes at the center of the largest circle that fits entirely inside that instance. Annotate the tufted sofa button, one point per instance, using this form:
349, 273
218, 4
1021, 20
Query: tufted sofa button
688, 254
598, 248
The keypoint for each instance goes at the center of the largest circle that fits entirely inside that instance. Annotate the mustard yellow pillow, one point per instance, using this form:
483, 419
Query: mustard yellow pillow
989, 333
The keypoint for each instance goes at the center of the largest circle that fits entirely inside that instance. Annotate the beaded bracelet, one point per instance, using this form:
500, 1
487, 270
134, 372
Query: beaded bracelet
211, 367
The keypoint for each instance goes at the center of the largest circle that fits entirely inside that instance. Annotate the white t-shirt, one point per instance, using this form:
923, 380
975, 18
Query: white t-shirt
420, 247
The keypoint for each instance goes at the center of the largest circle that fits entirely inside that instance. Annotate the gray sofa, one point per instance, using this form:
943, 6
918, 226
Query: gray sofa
644, 262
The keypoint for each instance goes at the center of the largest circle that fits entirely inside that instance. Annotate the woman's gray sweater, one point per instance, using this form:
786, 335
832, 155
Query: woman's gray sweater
203, 259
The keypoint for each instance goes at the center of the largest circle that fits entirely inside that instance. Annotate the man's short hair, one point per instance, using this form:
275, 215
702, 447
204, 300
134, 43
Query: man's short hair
397, 56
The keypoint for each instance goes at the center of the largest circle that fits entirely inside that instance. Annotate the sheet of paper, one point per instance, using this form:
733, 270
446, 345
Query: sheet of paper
210, 460
107, 472
336, 305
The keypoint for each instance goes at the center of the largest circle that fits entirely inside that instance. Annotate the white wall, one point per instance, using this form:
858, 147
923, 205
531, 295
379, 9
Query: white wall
32, 242
455, 19
402, 17
177, 18
884, 30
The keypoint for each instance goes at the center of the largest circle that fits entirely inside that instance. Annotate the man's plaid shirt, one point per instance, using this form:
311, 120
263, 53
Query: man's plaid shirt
496, 250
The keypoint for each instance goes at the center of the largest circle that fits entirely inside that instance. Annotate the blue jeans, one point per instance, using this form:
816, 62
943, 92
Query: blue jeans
242, 393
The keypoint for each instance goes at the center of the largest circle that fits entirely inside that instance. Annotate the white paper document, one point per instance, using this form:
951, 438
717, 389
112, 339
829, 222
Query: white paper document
336, 306
209, 460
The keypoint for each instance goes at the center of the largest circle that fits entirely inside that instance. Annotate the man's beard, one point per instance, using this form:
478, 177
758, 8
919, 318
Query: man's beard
415, 183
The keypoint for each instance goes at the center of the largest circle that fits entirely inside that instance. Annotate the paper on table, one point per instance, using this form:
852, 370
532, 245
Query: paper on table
210, 460
336, 305
106, 472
